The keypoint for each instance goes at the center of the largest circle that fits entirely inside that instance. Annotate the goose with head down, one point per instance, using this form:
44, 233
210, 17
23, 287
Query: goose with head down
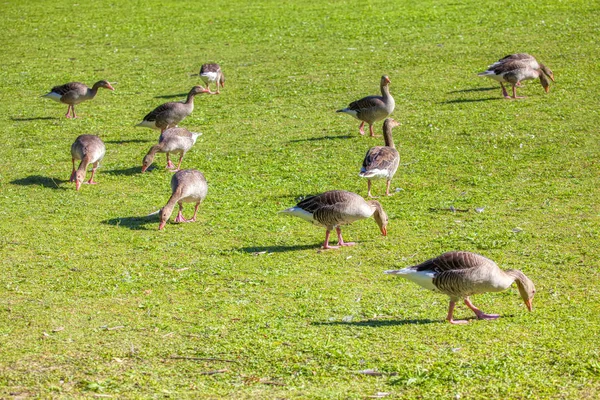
89, 149
336, 208
187, 186
371, 109
211, 72
73, 93
460, 274
382, 161
173, 140
516, 68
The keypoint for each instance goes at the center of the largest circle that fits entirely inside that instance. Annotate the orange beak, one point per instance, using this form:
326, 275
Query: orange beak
384, 231
144, 168
529, 305
162, 225
552, 77
110, 87
547, 89
77, 185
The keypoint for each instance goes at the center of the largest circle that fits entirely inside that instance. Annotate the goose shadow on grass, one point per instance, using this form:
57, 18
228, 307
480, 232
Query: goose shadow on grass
314, 139
126, 171
279, 249
134, 223
129, 141
474, 90
39, 180
380, 323
171, 96
19, 119
470, 100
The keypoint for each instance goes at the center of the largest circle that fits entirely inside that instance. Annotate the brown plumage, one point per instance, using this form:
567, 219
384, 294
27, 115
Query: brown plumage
173, 140
382, 161
336, 208
371, 109
89, 149
170, 114
515, 68
187, 186
74, 93
460, 274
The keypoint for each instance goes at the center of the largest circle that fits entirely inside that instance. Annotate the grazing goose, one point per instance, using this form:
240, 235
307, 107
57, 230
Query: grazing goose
460, 274
173, 140
188, 186
89, 149
168, 115
338, 207
371, 109
382, 161
74, 93
518, 67
212, 73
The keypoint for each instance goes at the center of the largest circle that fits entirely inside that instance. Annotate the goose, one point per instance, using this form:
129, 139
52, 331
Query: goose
460, 274
371, 109
515, 68
173, 140
74, 93
187, 186
211, 72
335, 208
170, 114
89, 149
382, 161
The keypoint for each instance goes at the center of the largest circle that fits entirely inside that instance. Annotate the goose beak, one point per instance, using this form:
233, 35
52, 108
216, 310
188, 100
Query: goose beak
552, 77
547, 89
144, 168
77, 185
110, 87
384, 231
529, 305
162, 225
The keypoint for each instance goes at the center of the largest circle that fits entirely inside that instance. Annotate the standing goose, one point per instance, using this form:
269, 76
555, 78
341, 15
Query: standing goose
338, 207
371, 109
460, 274
515, 68
188, 186
382, 161
168, 115
210, 73
74, 93
89, 149
173, 140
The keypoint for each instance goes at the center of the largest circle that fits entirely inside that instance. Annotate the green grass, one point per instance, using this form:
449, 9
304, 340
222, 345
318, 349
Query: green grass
296, 322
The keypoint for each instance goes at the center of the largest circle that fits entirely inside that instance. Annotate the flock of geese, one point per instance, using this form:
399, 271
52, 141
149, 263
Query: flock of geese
458, 274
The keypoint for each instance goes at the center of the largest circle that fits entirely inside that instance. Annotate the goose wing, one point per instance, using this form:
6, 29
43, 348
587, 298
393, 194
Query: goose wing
158, 111
380, 158
366, 103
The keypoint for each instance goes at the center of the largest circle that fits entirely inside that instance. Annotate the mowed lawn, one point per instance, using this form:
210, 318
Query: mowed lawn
95, 302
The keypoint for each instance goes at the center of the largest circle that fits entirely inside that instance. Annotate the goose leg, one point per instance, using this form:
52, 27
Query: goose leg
480, 314
341, 240
179, 164
504, 92
73, 108
515, 92
170, 165
179, 217
91, 181
195, 212
451, 312
68, 114
326, 244
72, 179
361, 128
369, 189
387, 188
371, 130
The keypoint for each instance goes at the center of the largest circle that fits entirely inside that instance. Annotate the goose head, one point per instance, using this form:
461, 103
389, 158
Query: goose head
165, 214
380, 216
197, 90
525, 286
103, 84
222, 81
390, 123
547, 71
385, 80
79, 178
148, 159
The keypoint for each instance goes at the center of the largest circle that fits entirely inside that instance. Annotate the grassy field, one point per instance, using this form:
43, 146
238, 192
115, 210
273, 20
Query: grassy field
96, 302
